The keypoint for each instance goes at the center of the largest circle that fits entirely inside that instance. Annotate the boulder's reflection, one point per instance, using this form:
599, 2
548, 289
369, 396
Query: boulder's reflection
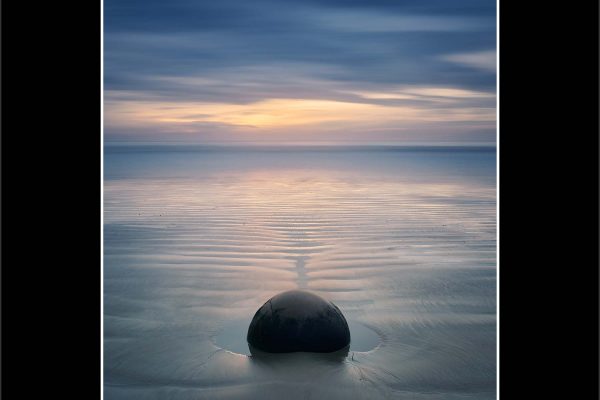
264, 358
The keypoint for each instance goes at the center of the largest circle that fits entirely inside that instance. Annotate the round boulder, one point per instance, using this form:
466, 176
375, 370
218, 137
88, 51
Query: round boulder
298, 320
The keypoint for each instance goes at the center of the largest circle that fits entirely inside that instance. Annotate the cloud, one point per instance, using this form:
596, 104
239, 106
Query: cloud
234, 66
361, 21
426, 111
482, 60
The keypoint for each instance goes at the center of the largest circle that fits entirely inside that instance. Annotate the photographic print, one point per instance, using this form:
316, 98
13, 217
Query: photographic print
299, 199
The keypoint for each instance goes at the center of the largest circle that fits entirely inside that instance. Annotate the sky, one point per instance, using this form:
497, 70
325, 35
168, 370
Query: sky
403, 71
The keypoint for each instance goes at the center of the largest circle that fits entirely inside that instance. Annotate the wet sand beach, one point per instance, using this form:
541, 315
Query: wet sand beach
401, 239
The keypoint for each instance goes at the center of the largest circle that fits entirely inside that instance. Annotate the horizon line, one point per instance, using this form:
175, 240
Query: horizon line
329, 143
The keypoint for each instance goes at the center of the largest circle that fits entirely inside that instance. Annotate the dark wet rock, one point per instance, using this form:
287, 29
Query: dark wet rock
298, 320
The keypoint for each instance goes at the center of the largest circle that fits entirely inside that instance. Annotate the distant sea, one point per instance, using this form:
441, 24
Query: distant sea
198, 237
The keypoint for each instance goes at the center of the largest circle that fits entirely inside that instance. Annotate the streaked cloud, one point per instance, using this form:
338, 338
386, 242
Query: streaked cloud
342, 69
364, 21
484, 60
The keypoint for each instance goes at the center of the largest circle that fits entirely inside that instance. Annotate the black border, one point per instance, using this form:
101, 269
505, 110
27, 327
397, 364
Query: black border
549, 200
50, 175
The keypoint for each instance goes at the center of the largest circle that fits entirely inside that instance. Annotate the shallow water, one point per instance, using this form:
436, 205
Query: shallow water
197, 238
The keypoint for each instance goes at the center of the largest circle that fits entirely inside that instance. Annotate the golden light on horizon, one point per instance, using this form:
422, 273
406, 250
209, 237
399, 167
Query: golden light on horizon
272, 114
